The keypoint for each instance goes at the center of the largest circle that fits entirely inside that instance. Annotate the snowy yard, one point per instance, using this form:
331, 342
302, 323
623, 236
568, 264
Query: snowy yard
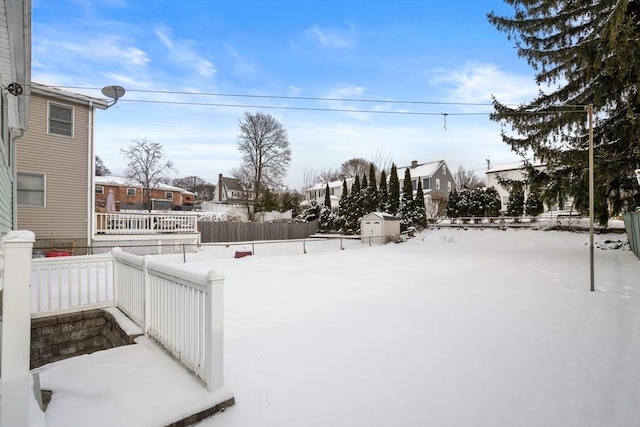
453, 328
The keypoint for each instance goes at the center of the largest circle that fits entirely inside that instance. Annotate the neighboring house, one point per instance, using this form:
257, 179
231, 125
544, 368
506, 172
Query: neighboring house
229, 191
436, 178
55, 161
316, 193
130, 195
514, 171
15, 80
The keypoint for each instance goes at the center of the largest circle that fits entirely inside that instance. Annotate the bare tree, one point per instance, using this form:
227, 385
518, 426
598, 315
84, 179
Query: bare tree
245, 178
146, 166
266, 154
466, 179
353, 167
101, 169
329, 175
193, 183
382, 162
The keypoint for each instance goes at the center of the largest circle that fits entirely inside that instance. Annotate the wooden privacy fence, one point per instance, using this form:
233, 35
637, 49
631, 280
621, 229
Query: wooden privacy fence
218, 232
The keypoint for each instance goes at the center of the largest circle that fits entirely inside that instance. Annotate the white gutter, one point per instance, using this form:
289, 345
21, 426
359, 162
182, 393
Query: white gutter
92, 169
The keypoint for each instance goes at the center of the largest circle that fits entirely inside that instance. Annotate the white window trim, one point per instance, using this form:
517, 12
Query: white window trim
73, 119
135, 193
168, 195
437, 183
449, 186
44, 190
101, 187
444, 169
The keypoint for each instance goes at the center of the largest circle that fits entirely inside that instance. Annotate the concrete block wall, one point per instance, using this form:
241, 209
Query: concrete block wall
66, 335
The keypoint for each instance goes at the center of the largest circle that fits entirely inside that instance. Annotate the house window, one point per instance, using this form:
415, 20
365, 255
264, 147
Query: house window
168, 195
30, 188
414, 184
131, 192
60, 119
426, 184
437, 183
449, 186
444, 169
99, 189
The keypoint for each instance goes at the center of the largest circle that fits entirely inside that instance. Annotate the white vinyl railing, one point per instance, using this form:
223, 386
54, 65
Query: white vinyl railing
145, 223
185, 316
180, 310
129, 273
66, 284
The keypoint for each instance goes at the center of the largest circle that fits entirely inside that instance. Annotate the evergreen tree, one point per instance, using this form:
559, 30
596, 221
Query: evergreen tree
515, 204
343, 208
383, 196
373, 196
476, 202
492, 203
533, 206
464, 202
420, 208
268, 202
452, 204
394, 191
587, 53
327, 197
407, 206
354, 207
325, 219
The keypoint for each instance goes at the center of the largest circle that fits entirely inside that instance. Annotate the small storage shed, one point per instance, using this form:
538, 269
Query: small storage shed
379, 228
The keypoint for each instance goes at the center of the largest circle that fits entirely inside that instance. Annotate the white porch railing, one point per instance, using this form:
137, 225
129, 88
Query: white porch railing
66, 284
182, 311
145, 223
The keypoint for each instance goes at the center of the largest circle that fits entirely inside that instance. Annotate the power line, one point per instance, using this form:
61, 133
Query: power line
297, 98
326, 109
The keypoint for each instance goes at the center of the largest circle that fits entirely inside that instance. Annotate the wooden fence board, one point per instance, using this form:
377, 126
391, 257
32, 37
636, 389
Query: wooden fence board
218, 232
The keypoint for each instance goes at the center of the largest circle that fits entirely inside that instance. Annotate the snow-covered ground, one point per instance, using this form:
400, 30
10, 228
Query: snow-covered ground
453, 328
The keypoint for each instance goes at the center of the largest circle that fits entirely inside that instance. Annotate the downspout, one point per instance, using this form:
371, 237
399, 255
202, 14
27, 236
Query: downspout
92, 173
13, 141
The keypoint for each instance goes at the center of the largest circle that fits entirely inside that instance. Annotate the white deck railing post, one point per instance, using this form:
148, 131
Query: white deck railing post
16, 328
214, 331
146, 295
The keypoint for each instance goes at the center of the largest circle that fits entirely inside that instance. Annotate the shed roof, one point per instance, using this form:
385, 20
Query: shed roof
382, 215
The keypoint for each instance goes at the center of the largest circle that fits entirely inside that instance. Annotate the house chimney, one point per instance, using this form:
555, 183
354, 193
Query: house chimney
414, 164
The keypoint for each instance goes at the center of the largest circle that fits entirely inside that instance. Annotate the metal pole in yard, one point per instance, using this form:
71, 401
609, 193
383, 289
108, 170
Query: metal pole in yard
591, 269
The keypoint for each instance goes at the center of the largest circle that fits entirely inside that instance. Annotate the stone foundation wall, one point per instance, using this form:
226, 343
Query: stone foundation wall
66, 335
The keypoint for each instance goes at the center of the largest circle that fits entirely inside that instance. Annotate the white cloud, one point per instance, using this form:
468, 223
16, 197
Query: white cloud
99, 48
183, 52
333, 38
476, 83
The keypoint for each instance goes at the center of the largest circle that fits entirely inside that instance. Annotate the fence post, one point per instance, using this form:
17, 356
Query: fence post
115, 275
16, 328
146, 294
214, 331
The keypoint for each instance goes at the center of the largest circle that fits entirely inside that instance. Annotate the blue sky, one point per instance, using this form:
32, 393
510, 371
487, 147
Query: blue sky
401, 50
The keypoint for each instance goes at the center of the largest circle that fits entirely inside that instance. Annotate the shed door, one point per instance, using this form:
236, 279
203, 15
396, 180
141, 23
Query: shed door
372, 228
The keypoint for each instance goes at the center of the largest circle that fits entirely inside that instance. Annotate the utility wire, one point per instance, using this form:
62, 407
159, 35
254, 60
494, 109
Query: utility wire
326, 109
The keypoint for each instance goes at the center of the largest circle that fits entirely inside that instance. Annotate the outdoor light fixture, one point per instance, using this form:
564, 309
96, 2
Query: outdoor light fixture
113, 92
